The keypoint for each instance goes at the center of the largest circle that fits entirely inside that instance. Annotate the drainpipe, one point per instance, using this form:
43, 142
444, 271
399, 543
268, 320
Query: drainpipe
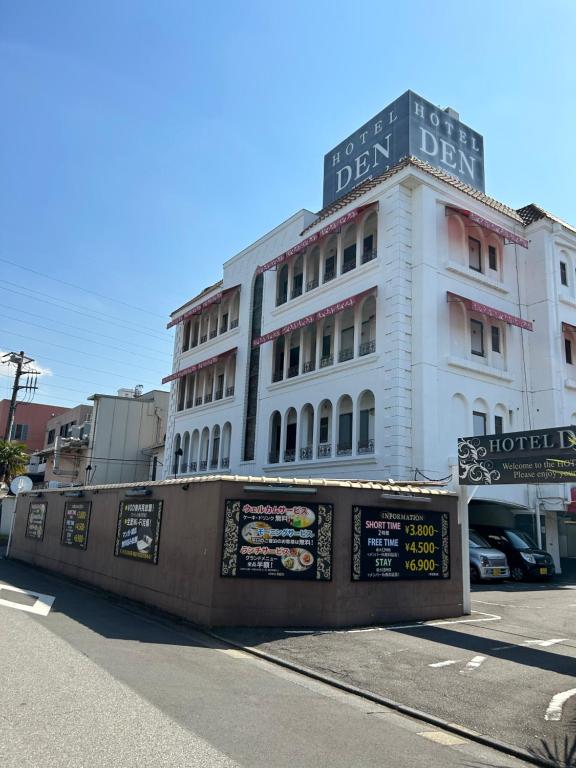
57, 449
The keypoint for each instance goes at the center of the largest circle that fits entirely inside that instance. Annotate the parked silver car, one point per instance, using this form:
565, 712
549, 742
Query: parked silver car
485, 561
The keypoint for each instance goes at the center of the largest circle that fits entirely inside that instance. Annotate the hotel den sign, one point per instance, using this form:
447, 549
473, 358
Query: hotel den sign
409, 126
538, 456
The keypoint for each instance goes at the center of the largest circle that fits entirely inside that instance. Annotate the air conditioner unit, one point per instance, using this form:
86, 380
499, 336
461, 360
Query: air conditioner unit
75, 431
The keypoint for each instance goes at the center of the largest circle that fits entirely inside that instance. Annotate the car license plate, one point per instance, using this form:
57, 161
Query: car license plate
543, 571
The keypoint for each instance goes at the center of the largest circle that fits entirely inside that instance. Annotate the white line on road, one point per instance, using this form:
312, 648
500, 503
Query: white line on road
473, 664
442, 664
419, 625
546, 643
41, 607
554, 711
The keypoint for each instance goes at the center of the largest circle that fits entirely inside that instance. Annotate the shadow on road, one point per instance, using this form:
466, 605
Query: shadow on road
559, 752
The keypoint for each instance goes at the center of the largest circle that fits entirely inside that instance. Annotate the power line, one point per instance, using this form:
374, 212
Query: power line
82, 338
81, 288
92, 314
95, 370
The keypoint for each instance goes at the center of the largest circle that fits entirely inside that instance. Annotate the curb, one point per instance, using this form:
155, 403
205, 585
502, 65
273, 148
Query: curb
417, 714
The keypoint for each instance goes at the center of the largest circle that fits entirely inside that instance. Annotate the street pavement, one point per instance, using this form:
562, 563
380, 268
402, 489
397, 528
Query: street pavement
501, 671
89, 681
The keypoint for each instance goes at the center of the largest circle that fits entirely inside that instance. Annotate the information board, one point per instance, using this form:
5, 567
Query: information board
75, 524
276, 540
36, 520
393, 544
138, 531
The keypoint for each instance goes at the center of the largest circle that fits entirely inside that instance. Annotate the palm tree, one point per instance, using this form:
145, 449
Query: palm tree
13, 460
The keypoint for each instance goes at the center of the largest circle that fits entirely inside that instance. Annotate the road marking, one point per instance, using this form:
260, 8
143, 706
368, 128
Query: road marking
554, 711
41, 607
443, 737
506, 605
419, 625
442, 664
546, 643
235, 654
473, 664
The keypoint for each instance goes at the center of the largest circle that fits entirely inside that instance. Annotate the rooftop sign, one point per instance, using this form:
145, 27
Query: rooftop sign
409, 126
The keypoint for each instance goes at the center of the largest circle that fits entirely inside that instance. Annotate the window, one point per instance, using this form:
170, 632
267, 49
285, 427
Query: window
495, 331
51, 436
364, 426
568, 351
345, 431
563, 273
324, 429
498, 424
329, 268
19, 431
326, 345
477, 338
349, 261
297, 282
479, 423
492, 257
474, 254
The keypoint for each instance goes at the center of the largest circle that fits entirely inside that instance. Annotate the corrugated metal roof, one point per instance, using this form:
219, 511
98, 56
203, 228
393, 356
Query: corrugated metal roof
532, 212
369, 184
430, 488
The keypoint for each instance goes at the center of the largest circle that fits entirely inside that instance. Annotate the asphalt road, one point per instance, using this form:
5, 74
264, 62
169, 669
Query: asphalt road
91, 682
497, 672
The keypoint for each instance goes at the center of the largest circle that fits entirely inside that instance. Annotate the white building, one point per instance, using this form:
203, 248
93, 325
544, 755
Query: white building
362, 341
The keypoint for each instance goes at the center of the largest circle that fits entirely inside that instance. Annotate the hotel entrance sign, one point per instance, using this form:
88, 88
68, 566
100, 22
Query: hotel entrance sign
409, 126
538, 456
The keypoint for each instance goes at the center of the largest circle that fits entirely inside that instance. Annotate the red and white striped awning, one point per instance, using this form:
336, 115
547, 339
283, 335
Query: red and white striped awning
199, 308
198, 366
507, 234
483, 309
333, 309
315, 238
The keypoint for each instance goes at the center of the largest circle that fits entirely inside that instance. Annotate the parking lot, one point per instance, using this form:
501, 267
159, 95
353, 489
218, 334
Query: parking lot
507, 671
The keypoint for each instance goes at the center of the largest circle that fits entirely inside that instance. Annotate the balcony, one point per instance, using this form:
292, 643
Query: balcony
292, 371
330, 274
219, 394
366, 446
183, 468
367, 348
311, 284
203, 466
290, 454
214, 464
324, 450
309, 366
273, 457
224, 326
193, 466
230, 391
225, 463
213, 333
208, 397
346, 354
234, 324
277, 376
306, 453
296, 291
189, 403
203, 338
369, 256
326, 361
343, 449
198, 400
348, 266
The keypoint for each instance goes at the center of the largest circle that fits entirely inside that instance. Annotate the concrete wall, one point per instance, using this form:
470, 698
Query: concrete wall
187, 582
7, 507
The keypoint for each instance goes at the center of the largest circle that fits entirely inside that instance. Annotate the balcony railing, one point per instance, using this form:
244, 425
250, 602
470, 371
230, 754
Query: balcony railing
223, 326
189, 403
324, 450
208, 397
369, 256
348, 266
367, 348
311, 284
229, 391
326, 361
225, 463
277, 375
233, 323
214, 464
296, 291
366, 446
292, 371
290, 455
343, 449
198, 400
183, 467
273, 457
346, 354
213, 333
309, 366
330, 274
218, 394
203, 338
203, 465
306, 453
193, 466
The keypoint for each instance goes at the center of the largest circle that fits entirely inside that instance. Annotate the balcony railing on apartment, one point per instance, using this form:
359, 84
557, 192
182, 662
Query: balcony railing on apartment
366, 446
198, 400
208, 397
367, 348
233, 324
324, 450
230, 391
203, 338
218, 394
292, 371
306, 453
311, 284
277, 376
309, 366
369, 256
346, 354
189, 403
225, 463
273, 457
193, 466
224, 326
330, 274
213, 333
296, 291
348, 266
326, 361
203, 465
290, 454
343, 449
214, 464
183, 467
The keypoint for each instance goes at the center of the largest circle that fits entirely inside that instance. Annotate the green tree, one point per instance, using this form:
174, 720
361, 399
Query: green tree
13, 460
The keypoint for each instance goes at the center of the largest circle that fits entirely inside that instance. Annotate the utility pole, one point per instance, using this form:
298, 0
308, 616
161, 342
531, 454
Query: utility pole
20, 360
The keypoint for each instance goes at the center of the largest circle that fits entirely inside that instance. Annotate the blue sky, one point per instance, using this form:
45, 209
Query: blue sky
144, 142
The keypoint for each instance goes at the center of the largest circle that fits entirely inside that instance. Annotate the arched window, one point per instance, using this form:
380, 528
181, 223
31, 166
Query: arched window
480, 418
369, 237
290, 444
226, 442
329, 250
185, 453
235, 310
306, 432
282, 285
298, 277
309, 348
325, 429
365, 422
345, 426
278, 359
368, 327
204, 441
346, 336
215, 454
193, 462
275, 437
349, 249
294, 354
327, 350
186, 336
177, 454
313, 268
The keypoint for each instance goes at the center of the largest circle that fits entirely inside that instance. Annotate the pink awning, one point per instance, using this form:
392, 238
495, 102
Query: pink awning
483, 309
199, 366
333, 309
316, 237
485, 224
197, 310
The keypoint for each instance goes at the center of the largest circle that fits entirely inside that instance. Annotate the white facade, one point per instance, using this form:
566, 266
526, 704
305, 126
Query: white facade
384, 387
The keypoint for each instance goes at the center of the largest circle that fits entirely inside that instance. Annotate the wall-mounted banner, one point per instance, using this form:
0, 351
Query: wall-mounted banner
409, 126
36, 520
395, 545
76, 523
138, 531
538, 456
264, 539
